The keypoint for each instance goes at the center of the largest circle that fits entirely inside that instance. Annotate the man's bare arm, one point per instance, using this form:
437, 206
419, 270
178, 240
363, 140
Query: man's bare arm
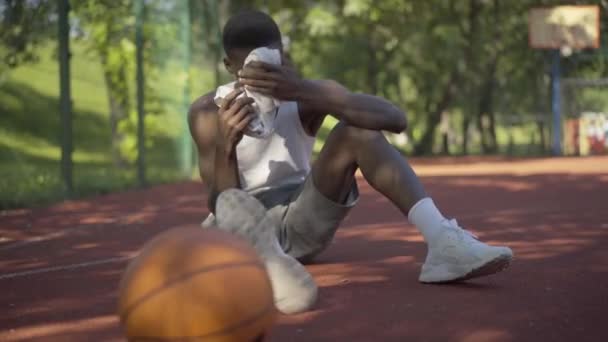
361, 110
320, 97
218, 170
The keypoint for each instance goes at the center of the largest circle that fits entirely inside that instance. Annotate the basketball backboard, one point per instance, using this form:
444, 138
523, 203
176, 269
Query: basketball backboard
559, 27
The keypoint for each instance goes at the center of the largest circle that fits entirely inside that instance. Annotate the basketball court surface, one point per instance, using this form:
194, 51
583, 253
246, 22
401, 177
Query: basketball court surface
60, 265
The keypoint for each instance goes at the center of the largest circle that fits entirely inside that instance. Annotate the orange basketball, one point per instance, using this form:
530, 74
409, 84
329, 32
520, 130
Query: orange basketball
193, 284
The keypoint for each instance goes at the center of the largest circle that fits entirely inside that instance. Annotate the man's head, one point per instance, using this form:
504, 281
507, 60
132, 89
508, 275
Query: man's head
246, 31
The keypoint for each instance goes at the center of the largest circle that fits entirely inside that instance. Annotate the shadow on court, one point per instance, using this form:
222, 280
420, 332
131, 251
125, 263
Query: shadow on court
61, 264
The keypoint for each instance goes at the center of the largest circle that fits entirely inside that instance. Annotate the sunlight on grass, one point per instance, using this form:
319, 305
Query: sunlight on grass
30, 150
525, 139
11, 103
88, 90
39, 148
28, 184
30, 130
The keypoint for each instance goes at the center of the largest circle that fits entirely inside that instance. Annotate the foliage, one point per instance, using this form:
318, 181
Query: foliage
107, 29
467, 61
23, 26
29, 135
461, 69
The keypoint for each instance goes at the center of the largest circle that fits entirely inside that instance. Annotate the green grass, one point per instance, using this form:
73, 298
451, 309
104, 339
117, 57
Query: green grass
30, 131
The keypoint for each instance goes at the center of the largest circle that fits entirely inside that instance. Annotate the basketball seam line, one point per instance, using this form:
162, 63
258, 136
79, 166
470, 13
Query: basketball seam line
160, 288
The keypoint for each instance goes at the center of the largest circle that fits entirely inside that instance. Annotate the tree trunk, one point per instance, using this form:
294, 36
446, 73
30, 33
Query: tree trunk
471, 35
492, 82
445, 144
486, 108
511, 145
372, 63
445, 133
541, 132
425, 144
465, 134
481, 128
117, 113
118, 95
212, 14
492, 130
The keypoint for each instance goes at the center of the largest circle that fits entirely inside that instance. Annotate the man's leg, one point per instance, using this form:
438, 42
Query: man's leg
453, 253
239, 213
349, 148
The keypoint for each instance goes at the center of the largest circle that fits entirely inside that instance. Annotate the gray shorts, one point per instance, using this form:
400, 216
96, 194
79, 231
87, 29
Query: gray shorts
306, 220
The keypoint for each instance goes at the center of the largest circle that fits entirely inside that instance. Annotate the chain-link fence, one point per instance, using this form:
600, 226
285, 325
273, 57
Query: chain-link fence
96, 129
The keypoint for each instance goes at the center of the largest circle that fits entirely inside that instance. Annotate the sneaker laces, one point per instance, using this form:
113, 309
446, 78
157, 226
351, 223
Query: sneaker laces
453, 224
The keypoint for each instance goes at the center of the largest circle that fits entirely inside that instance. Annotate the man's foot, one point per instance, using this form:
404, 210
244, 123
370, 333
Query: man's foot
242, 214
457, 255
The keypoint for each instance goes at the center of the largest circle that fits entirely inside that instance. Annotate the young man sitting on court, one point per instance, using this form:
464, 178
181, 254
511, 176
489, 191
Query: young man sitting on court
264, 188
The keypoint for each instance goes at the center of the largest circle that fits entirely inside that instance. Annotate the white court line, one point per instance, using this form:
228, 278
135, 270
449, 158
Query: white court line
44, 330
11, 245
63, 267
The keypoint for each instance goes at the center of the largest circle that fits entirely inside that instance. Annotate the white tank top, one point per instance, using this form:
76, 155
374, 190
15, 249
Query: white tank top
281, 159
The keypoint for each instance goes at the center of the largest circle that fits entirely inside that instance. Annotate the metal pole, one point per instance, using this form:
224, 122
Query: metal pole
186, 143
211, 27
65, 100
556, 102
218, 45
139, 56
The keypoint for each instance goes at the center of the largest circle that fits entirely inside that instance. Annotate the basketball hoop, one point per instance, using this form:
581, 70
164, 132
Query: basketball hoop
564, 28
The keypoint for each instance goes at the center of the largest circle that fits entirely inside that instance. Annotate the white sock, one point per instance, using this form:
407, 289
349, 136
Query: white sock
427, 218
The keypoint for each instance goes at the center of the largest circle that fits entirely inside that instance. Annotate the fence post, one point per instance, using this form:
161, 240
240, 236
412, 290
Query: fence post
185, 146
556, 102
218, 40
65, 100
139, 60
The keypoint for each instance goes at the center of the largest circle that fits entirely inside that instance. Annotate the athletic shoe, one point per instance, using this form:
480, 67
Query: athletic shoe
457, 255
242, 214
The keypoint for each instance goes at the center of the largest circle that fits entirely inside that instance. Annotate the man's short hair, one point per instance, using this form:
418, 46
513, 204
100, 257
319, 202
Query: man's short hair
250, 29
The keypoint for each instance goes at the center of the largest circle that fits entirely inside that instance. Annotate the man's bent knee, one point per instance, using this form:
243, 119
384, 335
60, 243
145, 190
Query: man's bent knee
356, 135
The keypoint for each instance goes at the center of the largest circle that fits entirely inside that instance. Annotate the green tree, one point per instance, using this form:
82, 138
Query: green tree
108, 31
24, 25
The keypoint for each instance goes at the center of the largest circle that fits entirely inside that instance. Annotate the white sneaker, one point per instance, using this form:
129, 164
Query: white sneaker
242, 214
457, 255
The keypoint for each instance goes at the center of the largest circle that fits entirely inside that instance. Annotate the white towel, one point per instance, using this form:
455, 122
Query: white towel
264, 106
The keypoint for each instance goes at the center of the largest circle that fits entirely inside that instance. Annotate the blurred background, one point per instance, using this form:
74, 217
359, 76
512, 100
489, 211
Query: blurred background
464, 70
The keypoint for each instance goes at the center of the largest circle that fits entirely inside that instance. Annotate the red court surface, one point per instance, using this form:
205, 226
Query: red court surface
60, 265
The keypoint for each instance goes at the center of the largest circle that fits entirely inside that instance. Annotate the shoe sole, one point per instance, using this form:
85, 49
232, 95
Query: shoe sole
493, 266
497, 265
